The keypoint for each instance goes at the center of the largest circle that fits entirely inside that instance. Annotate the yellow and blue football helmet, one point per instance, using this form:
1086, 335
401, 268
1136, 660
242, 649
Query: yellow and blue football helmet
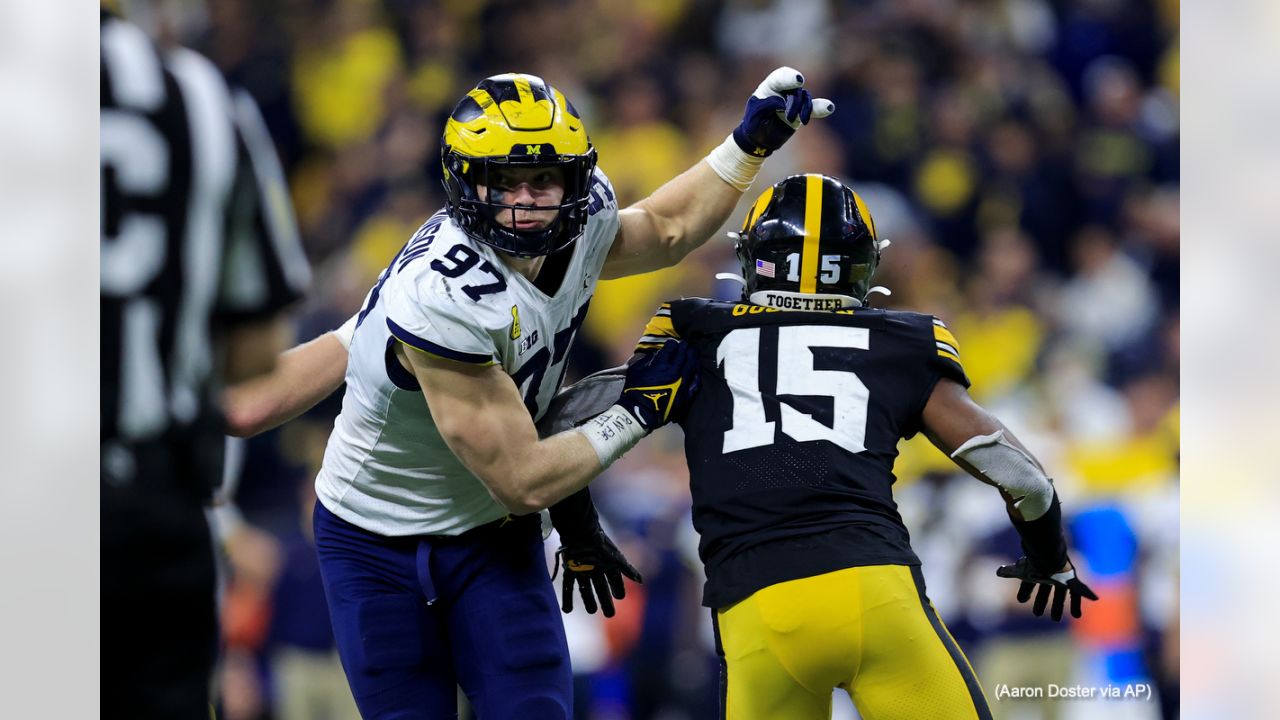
808, 235
516, 120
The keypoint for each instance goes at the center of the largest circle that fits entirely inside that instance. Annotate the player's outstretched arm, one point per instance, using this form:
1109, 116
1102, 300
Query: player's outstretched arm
590, 559
252, 350
679, 216
984, 447
303, 376
481, 416
952, 419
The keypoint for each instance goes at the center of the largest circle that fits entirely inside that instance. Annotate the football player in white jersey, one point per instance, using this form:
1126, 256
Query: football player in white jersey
426, 524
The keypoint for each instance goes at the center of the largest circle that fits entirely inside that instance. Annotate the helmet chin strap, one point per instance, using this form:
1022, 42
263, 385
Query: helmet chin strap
732, 276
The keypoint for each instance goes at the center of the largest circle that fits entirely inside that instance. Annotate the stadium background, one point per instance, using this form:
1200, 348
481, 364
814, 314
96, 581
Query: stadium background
1021, 154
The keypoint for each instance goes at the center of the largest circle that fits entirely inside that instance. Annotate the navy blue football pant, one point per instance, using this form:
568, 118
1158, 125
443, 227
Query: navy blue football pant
415, 617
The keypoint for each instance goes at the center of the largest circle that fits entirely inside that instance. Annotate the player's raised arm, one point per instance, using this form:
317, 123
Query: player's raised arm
478, 411
985, 448
679, 216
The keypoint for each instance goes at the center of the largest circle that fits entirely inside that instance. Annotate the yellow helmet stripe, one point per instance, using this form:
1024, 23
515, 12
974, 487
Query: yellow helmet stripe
523, 90
866, 214
561, 103
812, 228
482, 98
762, 202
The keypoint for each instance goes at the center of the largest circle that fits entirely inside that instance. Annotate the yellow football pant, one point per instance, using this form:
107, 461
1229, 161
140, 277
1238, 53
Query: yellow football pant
869, 630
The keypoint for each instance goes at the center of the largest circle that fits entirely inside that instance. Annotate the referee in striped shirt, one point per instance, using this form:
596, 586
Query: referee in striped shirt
199, 255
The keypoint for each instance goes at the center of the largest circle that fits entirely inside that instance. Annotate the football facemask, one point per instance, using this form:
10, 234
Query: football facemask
510, 122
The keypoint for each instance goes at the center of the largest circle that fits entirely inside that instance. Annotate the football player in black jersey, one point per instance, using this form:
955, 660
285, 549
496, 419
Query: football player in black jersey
805, 393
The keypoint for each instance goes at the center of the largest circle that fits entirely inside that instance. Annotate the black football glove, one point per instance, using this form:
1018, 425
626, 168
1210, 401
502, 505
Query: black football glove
1060, 585
597, 567
778, 106
660, 384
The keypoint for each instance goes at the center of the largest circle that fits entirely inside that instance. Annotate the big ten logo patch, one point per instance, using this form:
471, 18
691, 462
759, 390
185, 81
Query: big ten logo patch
526, 343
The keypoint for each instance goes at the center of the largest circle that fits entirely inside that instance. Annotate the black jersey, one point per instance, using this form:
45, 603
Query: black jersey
197, 233
792, 438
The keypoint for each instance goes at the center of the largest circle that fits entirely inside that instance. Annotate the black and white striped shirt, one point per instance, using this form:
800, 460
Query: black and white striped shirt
197, 233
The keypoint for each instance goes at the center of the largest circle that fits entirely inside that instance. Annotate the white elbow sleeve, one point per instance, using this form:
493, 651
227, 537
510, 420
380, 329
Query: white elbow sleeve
1011, 469
346, 331
734, 166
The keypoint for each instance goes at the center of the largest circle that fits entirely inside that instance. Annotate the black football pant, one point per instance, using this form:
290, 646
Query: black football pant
159, 625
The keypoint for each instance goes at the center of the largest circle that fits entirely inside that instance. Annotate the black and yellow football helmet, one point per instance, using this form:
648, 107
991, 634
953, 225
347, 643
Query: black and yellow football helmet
516, 120
809, 243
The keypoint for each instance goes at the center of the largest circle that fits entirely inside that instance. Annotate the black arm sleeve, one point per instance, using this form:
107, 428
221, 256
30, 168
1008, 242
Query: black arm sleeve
575, 518
1043, 541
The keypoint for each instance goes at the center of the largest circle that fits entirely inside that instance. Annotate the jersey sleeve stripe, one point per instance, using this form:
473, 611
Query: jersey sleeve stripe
661, 326
949, 356
944, 347
943, 335
427, 346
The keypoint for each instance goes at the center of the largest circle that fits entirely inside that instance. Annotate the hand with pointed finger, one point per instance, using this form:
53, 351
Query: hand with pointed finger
778, 107
1059, 585
597, 567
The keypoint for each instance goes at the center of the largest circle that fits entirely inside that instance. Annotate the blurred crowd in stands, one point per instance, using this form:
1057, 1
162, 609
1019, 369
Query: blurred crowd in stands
1023, 157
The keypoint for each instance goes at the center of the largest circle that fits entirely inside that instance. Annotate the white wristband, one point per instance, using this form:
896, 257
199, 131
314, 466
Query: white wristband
733, 165
346, 331
612, 433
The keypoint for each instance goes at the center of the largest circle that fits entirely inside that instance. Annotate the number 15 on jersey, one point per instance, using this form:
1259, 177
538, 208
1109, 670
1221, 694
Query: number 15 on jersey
739, 355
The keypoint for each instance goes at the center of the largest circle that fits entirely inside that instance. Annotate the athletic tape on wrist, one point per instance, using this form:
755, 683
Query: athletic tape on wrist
734, 166
612, 433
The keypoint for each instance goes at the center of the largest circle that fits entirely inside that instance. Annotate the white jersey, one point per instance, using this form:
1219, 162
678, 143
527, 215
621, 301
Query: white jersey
386, 468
